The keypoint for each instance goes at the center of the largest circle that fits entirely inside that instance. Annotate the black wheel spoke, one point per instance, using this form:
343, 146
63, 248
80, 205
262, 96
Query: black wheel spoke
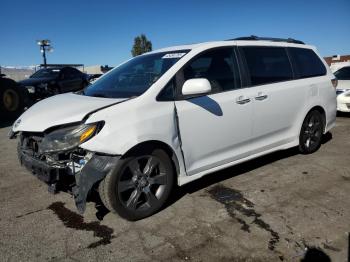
308, 142
311, 121
318, 134
125, 185
158, 179
151, 164
151, 198
134, 167
133, 199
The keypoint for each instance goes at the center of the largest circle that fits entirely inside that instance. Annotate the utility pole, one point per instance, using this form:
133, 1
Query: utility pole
45, 46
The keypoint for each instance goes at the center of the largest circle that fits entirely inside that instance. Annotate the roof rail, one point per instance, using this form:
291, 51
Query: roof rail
253, 37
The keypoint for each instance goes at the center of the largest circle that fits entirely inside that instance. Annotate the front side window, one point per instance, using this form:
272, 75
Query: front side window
307, 63
68, 73
76, 73
267, 64
134, 77
343, 73
219, 66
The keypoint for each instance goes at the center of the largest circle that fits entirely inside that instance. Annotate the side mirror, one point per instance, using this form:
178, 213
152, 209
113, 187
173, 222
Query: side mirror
196, 86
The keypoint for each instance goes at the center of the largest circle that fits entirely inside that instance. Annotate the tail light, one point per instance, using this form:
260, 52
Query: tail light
334, 82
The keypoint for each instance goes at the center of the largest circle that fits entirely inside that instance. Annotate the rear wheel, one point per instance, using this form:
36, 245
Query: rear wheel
140, 185
311, 132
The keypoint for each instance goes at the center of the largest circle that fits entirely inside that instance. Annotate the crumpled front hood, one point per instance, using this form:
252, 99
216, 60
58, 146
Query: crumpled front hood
58, 110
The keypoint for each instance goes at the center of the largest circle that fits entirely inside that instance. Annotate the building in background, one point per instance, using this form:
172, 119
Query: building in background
338, 61
97, 69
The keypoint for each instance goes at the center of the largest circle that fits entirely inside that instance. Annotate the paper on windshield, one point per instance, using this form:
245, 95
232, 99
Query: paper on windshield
174, 55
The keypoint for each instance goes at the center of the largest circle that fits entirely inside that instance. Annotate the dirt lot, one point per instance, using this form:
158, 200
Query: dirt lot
268, 209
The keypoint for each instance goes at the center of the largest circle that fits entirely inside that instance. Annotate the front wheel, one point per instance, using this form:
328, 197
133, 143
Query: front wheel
11, 101
139, 186
311, 133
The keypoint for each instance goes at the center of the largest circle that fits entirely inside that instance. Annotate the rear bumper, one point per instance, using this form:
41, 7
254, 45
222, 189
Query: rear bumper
79, 184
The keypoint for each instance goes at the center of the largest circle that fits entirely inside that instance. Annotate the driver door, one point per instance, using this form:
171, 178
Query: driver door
216, 128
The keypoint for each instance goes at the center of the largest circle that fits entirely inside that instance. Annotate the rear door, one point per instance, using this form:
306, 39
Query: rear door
278, 99
216, 128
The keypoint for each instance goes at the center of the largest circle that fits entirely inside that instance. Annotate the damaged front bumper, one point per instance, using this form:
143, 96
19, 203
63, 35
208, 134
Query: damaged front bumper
77, 174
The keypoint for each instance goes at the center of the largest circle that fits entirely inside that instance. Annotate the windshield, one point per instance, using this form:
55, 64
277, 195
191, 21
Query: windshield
46, 73
135, 76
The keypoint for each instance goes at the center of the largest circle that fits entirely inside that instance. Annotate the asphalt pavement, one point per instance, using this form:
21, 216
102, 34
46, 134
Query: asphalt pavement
280, 207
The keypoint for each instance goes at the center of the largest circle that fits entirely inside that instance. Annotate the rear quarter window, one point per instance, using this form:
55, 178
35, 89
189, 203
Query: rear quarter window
306, 63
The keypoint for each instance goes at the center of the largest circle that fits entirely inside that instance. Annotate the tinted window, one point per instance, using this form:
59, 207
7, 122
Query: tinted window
307, 63
167, 94
267, 64
218, 66
49, 72
76, 73
71, 73
343, 73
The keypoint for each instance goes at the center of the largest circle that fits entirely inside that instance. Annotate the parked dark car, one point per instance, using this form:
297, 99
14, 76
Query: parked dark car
54, 80
12, 98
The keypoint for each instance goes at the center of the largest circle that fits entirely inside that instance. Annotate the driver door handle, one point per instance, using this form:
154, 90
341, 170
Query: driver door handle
241, 100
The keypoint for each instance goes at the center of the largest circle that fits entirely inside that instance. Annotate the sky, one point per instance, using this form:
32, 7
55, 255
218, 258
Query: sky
102, 32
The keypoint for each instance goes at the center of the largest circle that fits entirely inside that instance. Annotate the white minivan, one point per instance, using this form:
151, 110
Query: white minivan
174, 115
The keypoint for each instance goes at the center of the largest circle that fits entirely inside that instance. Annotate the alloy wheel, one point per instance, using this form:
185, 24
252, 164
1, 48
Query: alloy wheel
142, 183
312, 132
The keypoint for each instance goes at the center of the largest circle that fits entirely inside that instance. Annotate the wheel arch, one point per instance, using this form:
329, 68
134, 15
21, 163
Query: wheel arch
321, 110
156, 144
302, 118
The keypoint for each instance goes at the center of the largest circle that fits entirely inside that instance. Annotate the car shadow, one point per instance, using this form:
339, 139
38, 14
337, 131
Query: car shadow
216, 177
343, 114
227, 173
315, 255
208, 104
5, 123
237, 170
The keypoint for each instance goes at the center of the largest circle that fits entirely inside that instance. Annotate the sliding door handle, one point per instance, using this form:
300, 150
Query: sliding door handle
261, 96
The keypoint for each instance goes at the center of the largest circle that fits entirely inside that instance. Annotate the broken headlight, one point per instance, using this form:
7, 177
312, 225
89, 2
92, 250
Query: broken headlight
68, 138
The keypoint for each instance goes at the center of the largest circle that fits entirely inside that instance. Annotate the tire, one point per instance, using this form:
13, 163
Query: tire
311, 133
135, 191
12, 99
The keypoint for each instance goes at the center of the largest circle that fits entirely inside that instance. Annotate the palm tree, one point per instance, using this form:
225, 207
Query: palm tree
141, 45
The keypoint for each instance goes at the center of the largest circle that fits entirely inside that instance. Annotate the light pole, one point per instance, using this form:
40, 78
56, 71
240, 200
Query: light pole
45, 45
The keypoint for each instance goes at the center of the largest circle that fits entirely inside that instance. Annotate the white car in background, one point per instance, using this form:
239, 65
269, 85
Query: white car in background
174, 115
343, 89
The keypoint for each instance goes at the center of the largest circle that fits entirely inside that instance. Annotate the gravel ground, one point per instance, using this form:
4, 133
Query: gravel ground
268, 209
